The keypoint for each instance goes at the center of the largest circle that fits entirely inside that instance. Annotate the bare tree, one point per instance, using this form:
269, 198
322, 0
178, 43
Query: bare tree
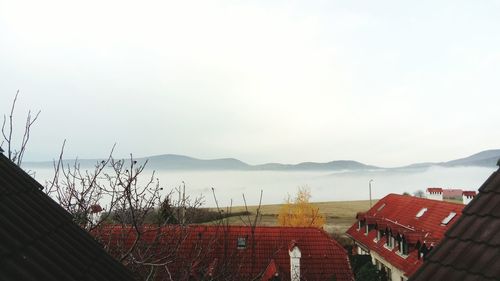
16, 154
419, 193
116, 194
137, 221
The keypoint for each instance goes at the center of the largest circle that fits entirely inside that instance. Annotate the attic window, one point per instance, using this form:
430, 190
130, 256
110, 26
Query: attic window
241, 243
421, 212
446, 220
381, 207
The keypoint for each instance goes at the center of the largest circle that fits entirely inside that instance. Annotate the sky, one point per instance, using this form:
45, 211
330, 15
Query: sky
387, 83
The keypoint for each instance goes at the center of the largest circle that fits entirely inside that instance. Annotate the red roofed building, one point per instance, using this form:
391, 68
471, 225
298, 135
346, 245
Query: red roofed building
452, 193
435, 193
400, 230
237, 252
467, 196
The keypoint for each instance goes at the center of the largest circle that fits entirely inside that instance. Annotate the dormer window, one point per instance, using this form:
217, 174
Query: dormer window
361, 224
241, 243
446, 220
390, 240
421, 212
403, 247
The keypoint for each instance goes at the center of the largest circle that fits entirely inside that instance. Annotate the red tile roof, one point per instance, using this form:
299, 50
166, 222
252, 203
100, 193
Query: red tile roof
397, 213
469, 193
212, 250
435, 189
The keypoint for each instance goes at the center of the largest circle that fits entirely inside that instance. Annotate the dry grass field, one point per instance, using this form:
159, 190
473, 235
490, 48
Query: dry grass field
339, 215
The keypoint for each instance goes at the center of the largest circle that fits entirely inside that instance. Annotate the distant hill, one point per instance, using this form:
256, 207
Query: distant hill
180, 162
329, 166
487, 158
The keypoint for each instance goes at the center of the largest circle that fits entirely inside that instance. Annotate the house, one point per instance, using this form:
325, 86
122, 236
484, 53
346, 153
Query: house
470, 249
399, 231
434, 193
467, 196
40, 241
221, 252
452, 193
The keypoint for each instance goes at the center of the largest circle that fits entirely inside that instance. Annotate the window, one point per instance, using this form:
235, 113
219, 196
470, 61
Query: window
377, 264
446, 220
386, 272
403, 247
389, 274
421, 212
390, 240
241, 243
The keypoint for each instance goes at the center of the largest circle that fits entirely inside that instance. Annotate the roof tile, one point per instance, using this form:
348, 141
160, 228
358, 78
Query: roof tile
322, 257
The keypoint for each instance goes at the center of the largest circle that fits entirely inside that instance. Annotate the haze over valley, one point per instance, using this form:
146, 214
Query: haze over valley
332, 181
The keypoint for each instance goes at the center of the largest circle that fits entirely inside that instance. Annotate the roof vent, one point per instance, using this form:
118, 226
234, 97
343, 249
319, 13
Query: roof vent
241, 243
446, 220
421, 212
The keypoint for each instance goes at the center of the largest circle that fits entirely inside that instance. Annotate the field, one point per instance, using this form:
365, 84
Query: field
339, 215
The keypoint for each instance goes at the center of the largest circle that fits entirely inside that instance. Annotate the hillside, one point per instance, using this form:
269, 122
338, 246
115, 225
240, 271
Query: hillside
487, 158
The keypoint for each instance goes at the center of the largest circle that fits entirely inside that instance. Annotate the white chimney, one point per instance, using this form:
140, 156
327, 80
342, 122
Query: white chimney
467, 196
294, 263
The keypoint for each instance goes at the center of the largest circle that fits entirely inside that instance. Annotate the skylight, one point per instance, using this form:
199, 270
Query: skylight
446, 220
241, 243
381, 207
421, 212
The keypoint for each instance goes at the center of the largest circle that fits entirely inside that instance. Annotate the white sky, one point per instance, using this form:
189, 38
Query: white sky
383, 82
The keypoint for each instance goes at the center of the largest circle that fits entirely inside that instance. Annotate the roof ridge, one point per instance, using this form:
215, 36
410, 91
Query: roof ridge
419, 199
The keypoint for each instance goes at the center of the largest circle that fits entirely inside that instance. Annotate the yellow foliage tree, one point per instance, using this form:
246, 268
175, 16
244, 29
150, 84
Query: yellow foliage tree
299, 212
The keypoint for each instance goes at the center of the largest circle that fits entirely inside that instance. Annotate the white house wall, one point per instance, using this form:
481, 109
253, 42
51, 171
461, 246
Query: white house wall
396, 273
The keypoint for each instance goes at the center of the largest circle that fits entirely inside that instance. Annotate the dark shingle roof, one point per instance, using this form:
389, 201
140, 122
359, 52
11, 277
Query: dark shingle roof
471, 247
39, 240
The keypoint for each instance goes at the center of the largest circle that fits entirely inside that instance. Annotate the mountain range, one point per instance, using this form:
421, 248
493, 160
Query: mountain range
487, 158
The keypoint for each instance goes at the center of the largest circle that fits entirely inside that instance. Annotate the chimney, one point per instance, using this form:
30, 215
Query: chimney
295, 255
467, 196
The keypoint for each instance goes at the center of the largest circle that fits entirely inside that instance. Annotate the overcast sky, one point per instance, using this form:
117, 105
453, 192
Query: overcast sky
383, 82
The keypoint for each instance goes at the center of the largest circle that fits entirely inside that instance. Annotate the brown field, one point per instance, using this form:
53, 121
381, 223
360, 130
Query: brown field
339, 215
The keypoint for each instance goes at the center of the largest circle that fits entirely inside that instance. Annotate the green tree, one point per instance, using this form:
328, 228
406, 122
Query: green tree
368, 272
